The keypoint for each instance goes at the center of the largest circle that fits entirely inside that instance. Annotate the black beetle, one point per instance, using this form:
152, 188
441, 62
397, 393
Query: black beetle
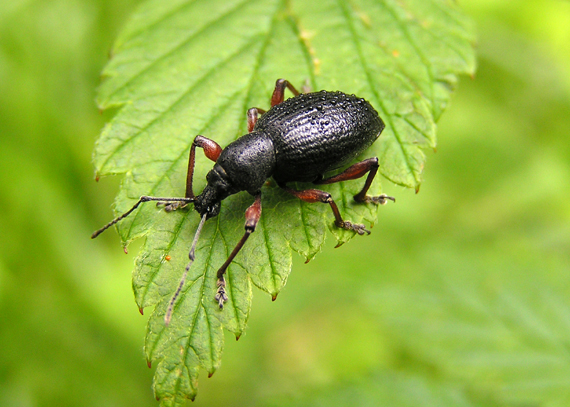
299, 139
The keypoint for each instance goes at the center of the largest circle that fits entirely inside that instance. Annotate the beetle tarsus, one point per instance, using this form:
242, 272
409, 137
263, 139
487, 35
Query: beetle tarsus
221, 295
172, 206
377, 200
356, 227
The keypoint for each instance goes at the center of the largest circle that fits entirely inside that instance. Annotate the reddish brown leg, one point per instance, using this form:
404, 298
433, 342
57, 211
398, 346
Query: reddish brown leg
279, 92
212, 151
277, 97
316, 195
252, 215
356, 171
252, 115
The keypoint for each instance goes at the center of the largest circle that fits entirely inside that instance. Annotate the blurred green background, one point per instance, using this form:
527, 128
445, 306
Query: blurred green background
460, 297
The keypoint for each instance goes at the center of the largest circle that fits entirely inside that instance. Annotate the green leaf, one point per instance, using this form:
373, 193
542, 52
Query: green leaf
182, 68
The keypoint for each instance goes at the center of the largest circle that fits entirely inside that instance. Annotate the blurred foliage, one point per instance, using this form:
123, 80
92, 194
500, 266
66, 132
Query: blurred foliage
459, 297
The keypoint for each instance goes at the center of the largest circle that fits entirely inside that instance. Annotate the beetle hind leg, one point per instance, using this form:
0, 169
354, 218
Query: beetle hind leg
358, 170
316, 195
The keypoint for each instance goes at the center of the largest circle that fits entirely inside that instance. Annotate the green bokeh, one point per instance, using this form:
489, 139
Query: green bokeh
461, 293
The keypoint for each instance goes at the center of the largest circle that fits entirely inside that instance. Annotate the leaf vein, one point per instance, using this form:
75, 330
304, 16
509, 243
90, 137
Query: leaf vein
346, 15
259, 60
182, 44
427, 63
245, 48
295, 25
163, 18
414, 126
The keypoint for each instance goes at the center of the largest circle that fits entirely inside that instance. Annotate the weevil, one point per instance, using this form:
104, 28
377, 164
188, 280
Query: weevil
298, 140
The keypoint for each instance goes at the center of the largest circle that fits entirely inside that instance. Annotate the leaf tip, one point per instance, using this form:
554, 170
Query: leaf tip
141, 310
310, 257
238, 336
274, 296
210, 374
149, 363
417, 188
125, 250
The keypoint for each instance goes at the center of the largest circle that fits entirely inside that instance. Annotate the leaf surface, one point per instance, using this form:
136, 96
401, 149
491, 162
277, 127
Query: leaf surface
182, 68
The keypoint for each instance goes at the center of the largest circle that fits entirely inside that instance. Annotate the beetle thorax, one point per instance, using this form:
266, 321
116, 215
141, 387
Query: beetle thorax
248, 162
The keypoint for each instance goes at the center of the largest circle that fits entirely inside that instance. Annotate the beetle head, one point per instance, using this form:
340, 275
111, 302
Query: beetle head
217, 189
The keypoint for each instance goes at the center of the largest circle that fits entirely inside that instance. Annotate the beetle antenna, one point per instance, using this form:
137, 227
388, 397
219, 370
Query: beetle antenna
183, 279
142, 199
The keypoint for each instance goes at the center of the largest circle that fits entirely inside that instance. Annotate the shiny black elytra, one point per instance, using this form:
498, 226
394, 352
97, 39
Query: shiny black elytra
299, 139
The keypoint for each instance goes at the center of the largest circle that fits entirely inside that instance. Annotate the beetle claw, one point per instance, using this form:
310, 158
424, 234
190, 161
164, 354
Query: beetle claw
221, 296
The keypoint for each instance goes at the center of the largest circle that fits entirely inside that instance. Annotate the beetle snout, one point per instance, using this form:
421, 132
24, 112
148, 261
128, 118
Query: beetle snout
207, 203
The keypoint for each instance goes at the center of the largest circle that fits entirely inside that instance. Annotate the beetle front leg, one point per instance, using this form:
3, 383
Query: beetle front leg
212, 151
252, 215
358, 170
316, 195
